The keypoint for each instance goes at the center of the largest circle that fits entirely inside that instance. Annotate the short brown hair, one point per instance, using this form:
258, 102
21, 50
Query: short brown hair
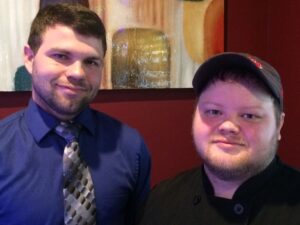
76, 16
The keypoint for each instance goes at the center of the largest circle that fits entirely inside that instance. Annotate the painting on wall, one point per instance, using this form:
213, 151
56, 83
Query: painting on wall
151, 44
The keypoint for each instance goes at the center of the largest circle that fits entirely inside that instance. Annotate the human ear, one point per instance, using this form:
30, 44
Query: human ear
280, 125
28, 56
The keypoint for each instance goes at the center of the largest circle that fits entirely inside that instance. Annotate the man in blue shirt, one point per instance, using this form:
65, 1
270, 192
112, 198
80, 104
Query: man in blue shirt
64, 56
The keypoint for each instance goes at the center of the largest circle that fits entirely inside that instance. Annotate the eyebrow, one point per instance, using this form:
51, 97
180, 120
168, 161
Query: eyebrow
56, 49
210, 103
94, 58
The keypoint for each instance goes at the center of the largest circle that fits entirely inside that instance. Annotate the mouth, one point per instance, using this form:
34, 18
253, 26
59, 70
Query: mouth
227, 142
71, 90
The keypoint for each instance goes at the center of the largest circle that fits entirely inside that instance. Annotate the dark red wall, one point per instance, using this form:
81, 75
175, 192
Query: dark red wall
267, 28
271, 29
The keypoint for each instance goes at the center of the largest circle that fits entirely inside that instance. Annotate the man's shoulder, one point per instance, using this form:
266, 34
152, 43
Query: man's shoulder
290, 174
111, 127
10, 127
285, 185
12, 119
170, 197
183, 182
107, 120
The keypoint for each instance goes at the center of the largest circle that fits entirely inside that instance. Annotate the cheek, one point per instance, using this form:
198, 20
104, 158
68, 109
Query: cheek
259, 135
45, 70
94, 80
201, 131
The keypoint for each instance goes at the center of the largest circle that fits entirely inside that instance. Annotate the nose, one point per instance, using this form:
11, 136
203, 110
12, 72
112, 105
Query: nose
229, 126
75, 71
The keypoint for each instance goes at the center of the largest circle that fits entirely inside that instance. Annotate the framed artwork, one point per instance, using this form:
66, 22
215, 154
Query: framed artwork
151, 43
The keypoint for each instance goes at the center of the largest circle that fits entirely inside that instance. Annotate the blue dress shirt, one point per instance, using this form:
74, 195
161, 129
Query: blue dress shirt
31, 180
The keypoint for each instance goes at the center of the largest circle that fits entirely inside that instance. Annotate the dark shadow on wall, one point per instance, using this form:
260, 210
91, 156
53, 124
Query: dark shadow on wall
22, 80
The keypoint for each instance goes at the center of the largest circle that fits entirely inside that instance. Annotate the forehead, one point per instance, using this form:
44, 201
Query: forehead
234, 92
62, 36
245, 78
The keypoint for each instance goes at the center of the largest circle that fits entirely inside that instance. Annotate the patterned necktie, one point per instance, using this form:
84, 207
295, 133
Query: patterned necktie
78, 190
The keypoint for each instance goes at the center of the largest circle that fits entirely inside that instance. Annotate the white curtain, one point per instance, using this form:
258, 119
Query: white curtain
15, 20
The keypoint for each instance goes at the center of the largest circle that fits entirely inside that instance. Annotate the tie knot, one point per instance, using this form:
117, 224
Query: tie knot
68, 130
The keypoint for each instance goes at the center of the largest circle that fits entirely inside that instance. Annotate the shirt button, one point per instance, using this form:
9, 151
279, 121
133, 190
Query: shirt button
238, 208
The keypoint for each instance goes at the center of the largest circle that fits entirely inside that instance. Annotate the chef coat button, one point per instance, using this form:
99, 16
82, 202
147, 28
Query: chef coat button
238, 208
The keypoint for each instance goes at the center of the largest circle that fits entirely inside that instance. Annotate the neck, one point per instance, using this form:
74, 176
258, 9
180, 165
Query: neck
47, 108
223, 188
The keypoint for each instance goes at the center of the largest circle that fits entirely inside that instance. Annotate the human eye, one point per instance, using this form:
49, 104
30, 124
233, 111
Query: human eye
60, 56
250, 116
93, 62
212, 112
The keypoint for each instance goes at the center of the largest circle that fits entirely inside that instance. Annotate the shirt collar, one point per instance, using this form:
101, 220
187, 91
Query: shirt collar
40, 122
251, 186
255, 183
87, 121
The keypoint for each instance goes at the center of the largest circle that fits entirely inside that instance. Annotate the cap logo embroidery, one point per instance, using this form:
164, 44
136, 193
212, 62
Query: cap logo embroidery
257, 64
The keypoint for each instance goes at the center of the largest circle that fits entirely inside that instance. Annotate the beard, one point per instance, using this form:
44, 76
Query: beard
57, 104
235, 169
